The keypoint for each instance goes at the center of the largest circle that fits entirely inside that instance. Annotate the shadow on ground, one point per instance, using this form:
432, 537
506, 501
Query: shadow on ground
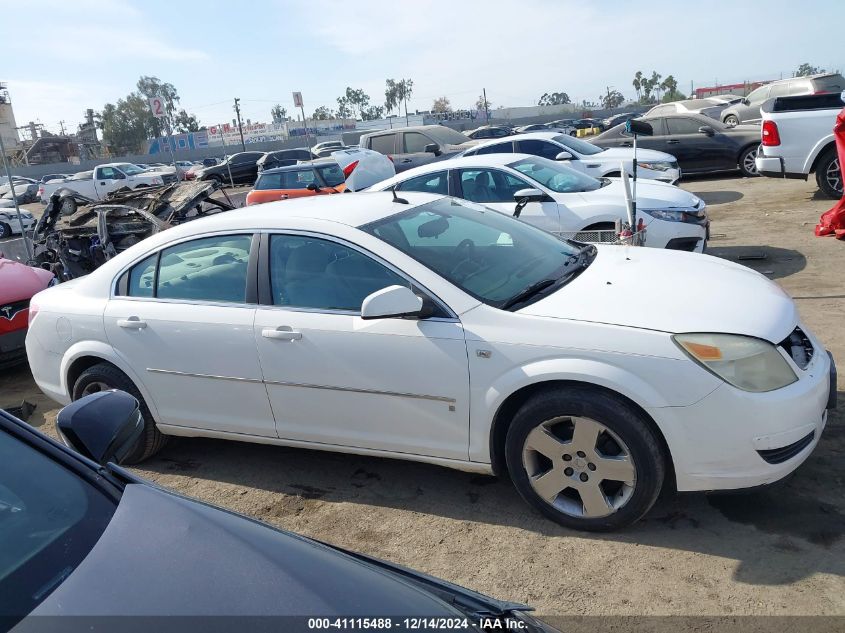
778, 535
772, 261
713, 198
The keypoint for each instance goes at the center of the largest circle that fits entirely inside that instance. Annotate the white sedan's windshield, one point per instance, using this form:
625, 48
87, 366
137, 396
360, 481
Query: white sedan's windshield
554, 176
489, 255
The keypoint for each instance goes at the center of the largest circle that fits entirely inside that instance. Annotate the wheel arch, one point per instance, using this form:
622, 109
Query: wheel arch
820, 150
511, 404
85, 355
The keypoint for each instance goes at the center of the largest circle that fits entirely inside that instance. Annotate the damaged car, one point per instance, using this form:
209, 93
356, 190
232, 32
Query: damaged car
76, 234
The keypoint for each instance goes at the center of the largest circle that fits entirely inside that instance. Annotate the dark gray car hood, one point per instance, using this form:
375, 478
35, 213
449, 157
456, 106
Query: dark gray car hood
163, 554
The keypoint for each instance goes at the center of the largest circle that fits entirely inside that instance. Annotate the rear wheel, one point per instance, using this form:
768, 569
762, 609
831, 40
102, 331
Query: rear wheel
746, 161
5, 230
584, 458
829, 175
731, 119
104, 376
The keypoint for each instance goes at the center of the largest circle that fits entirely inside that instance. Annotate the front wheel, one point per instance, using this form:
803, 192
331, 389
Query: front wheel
5, 230
104, 376
829, 175
584, 458
746, 161
731, 120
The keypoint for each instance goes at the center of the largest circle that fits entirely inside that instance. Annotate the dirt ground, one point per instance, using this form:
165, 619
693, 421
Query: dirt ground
775, 552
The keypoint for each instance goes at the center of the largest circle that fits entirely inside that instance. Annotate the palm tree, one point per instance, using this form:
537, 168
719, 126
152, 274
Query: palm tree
655, 84
638, 83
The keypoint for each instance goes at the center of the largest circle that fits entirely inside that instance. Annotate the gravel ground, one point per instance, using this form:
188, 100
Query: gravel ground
773, 552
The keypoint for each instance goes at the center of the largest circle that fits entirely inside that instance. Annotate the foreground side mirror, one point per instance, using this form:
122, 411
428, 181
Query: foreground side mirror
393, 301
104, 427
312, 186
530, 195
706, 129
564, 156
433, 148
746, 102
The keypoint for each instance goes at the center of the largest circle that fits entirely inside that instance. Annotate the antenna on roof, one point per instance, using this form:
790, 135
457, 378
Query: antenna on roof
397, 198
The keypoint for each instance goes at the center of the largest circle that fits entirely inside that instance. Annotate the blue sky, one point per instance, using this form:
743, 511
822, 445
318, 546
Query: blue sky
84, 53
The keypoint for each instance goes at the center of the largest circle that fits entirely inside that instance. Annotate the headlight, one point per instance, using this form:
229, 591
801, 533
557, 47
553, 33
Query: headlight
655, 166
747, 363
158, 181
677, 215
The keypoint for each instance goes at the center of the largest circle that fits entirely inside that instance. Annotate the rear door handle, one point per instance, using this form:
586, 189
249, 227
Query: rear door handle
627, 144
672, 142
132, 323
282, 333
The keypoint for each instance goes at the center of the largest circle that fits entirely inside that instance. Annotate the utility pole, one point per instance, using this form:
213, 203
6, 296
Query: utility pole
62, 127
608, 99
228, 163
486, 107
240, 128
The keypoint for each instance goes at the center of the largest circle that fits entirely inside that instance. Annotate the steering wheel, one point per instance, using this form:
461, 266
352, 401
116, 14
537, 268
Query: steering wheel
464, 253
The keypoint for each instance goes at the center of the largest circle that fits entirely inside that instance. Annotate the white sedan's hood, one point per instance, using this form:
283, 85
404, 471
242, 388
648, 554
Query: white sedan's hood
627, 153
672, 291
651, 194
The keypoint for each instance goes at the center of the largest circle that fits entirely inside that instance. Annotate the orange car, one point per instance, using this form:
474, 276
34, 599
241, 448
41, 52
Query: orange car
296, 181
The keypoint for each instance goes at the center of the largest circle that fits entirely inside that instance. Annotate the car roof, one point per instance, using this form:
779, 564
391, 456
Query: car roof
525, 136
302, 165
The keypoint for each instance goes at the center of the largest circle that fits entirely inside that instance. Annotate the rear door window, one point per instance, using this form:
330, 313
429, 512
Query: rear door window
428, 183
383, 144
536, 147
498, 148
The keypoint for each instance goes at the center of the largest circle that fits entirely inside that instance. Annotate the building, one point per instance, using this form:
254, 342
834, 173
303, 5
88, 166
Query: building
730, 89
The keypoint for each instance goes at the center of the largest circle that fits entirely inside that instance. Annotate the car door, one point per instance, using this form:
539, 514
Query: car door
182, 319
393, 384
244, 168
750, 112
106, 180
698, 151
413, 150
496, 188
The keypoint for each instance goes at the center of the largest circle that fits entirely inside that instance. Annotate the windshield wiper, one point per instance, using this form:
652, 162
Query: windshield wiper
529, 292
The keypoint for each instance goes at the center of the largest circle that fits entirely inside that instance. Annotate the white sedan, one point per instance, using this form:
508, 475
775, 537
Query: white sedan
10, 225
561, 200
433, 329
585, 157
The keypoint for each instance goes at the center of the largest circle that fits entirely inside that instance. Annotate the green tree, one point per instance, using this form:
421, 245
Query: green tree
322, 114
655, 84
441, 104
612, 99
371, 113
553, 98
344, 110
670, 90
396, 93
805, 70
150, 87
126, 124
357, 99
186, 122
278, 113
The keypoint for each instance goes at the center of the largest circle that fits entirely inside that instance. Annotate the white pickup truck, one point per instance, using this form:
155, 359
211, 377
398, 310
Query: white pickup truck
797, 140
107, 178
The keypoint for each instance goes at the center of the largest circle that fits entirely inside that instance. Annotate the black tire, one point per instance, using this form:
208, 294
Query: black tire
152, 440
731, 119
617, 416
5, 230
826, 170
573, 133
746, 159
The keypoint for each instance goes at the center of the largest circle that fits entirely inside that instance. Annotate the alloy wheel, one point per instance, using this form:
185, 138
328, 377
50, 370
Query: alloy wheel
579, 466
834, 175
748, 164
94, 387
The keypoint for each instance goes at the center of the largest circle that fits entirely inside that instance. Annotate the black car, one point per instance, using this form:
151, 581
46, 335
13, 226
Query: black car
242, 166
700, 144
283, 158
490, 131
80, 536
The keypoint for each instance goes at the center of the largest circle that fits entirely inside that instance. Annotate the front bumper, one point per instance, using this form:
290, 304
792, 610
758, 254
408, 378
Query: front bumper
675, 235
734, 439
12, 347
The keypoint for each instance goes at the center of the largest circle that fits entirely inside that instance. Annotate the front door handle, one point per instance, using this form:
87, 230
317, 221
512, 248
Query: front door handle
282, 333
132, 323
672, 141
627, 144
407, 160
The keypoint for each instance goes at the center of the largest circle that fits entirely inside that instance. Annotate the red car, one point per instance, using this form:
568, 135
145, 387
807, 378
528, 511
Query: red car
18, 282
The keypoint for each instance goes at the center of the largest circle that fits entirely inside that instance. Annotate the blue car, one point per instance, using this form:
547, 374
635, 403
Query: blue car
81, 536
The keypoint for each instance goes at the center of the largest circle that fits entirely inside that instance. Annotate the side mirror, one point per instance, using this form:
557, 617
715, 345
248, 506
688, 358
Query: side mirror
312, 186
104, 426
746, 102
433, 148
393, 301
564, 156
530, 195
706, 129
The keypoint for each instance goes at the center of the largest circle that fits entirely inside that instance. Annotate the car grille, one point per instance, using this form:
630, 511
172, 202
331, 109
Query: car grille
784, 453
799, 347
9, 310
